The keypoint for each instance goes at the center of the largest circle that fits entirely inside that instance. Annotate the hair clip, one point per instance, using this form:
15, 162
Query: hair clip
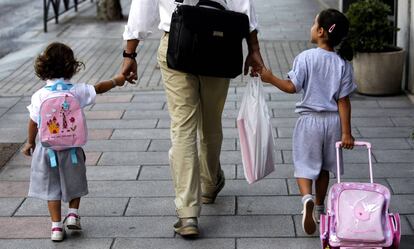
332, 28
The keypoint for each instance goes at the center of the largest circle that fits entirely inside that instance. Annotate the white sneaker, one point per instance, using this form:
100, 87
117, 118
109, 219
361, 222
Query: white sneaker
58, 234
72, 222
308, 222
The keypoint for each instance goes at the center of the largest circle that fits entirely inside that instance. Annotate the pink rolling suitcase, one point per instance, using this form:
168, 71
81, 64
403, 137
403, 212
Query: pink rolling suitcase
357, 214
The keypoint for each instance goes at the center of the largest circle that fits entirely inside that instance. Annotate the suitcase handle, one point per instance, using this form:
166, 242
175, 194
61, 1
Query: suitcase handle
356, 143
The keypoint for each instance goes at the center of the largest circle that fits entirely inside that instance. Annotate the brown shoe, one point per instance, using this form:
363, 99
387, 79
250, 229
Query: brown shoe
209, 198
187, 227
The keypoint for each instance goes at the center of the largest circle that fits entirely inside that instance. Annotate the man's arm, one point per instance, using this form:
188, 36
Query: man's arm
254, 57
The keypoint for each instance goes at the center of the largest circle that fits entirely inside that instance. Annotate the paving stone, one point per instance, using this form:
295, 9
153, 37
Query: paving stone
133, 158
99, 134
278, 243
403, 204
114, 98
15, 173
283, 122
148, 96
262, 187
380, 170
92, 157
13, 189
145, 114
293, 187
403, 121
114, 173
7, 150
117, 145
246, 226
88, 207
165, 206
121, 227
122, 124
404, 102
177, 243
406, 229
407, 241
128, 106
268, 205
410, 219
70, 242
104, 114
112, 189
7, 102
19, 159
141, 134
389, 143
164, 172
25, 227
13, 135
371, 122
385, 132
298, 228
402, 185
165, 144
281, 171
394, 156
9, 205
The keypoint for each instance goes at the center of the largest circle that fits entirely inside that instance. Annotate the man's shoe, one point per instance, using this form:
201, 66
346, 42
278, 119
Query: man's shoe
72, 222
209, 198
308, 222
187, 227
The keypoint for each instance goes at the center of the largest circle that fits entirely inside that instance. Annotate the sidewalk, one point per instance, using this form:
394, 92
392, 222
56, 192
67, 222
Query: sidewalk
130, 204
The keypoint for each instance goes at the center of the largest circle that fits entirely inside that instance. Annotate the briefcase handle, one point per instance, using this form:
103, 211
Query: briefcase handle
210, 3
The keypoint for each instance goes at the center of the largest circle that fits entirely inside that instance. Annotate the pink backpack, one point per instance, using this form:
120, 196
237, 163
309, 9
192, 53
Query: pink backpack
62, 122
357, 214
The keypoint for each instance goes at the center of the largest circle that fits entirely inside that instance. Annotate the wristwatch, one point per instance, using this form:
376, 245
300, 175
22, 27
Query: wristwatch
131, 55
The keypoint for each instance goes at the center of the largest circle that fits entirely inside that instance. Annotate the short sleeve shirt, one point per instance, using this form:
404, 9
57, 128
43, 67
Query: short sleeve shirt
323, 77
85, 94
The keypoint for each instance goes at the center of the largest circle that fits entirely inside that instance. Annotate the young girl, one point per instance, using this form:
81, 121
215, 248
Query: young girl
325, 76
65, 182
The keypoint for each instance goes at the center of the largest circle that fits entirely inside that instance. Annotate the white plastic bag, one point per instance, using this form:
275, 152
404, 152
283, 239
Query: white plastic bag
255, 133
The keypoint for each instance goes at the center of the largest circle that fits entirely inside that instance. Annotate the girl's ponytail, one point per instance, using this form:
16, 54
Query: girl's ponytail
336, 25
345, 50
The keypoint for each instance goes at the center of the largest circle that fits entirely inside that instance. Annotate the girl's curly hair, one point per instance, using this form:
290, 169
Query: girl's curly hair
57, 61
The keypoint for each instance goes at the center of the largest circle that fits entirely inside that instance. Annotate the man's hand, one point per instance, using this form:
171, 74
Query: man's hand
130, 70
28, 149
254, 58
255, 62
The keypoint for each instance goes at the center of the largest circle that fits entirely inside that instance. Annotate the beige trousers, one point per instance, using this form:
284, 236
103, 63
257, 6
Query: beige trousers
195, 105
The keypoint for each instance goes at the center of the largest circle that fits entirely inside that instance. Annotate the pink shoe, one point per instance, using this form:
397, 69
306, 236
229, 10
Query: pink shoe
72, 222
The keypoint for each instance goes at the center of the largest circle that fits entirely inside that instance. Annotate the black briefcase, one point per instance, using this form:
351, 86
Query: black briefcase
207, 41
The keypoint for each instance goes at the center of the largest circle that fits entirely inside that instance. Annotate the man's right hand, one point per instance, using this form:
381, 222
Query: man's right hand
130, 70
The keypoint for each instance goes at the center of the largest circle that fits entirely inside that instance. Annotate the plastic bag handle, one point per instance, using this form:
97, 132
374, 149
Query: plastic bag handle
356, 143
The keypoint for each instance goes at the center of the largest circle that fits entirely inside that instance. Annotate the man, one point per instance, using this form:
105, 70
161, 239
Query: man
195, 104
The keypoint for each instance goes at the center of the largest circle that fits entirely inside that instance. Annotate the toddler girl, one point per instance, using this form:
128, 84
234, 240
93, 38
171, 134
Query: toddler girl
64, 181
325, 76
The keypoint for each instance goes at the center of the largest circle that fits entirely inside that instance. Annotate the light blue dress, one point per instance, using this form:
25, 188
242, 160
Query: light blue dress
322, 77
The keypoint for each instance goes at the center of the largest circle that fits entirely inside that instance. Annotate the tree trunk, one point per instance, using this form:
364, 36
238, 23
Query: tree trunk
109, 10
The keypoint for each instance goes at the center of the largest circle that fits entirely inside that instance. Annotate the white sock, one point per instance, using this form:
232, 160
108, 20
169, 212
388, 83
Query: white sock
73, 211
57, 224
306, 197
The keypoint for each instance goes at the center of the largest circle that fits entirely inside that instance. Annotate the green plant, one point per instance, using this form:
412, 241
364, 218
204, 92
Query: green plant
370, 29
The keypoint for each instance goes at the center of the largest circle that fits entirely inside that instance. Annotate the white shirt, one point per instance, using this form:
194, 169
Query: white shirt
144, 15
85, 94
